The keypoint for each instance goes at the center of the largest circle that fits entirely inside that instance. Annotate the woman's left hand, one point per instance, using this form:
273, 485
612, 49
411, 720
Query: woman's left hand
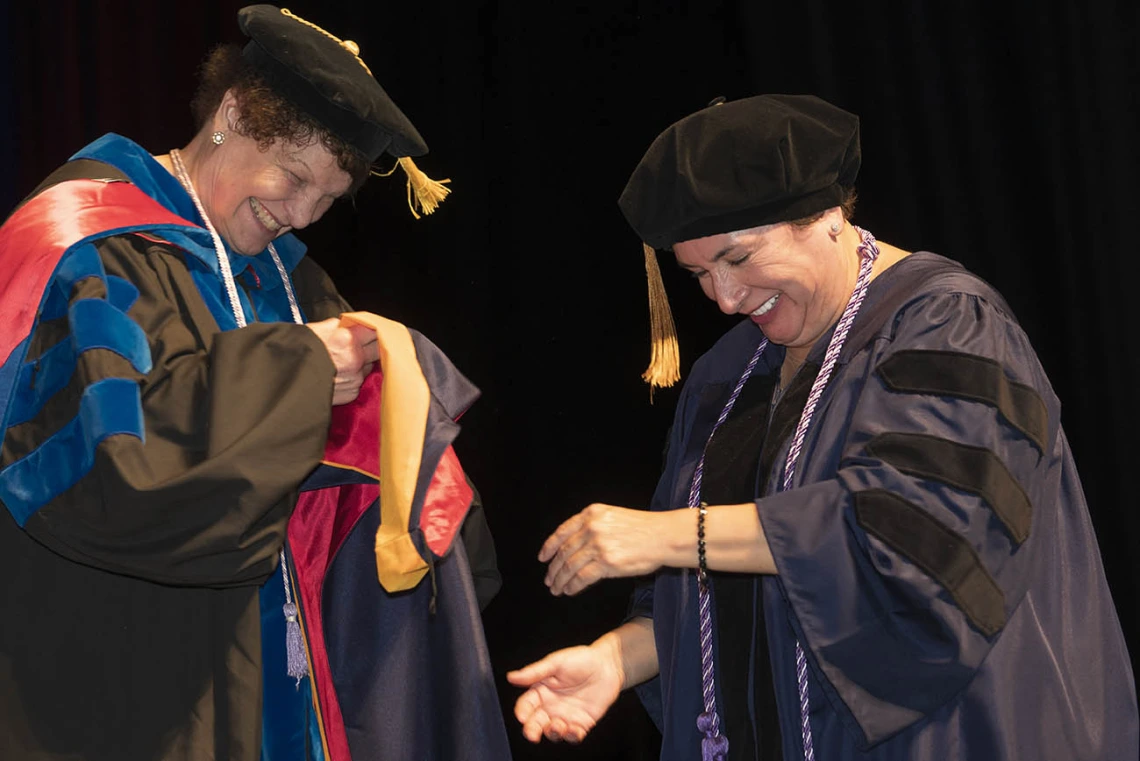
602, 542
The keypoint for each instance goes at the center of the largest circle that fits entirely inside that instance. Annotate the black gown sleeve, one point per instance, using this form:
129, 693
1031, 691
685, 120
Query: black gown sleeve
232, 423
480, 547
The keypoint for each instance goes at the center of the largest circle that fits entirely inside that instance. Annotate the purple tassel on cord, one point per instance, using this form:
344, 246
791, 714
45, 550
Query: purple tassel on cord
714, 747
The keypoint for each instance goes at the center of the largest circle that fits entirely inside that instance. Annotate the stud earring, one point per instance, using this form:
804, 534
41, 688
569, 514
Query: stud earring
218, 137
835, 228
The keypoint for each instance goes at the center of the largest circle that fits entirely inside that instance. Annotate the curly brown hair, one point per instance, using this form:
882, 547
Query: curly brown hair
846, 204
265, 115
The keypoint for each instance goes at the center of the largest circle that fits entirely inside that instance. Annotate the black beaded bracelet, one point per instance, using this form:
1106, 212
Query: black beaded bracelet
702, 565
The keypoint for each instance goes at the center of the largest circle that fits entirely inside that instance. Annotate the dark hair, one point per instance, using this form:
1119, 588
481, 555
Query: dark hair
846, 204
265, 115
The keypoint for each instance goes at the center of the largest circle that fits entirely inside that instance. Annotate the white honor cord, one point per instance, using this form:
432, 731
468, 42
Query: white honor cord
231, 288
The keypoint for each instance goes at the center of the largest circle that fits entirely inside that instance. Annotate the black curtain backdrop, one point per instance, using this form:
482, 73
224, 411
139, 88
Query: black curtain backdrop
1000, 133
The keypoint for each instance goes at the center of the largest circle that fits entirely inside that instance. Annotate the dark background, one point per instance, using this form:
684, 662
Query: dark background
1002, 134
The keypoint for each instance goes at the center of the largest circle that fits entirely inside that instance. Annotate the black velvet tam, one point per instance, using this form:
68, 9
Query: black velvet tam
742, 164
323, 77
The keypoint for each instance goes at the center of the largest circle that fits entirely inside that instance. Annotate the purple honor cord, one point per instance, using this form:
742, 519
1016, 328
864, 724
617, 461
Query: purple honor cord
714, 745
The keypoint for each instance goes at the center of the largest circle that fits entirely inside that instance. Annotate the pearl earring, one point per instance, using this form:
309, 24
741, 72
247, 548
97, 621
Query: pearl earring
835, 228
218, 137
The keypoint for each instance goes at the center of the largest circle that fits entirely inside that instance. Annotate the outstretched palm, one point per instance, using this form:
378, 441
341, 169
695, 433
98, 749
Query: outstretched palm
569, 691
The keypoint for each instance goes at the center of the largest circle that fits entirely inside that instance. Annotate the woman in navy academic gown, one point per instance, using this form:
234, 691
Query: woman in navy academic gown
894, 558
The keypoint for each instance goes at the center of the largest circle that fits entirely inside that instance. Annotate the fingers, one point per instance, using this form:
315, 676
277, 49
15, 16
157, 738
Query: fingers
589, 575
369, 353
562, 701
561, 730
535, 672
568, 558
526, 705
527, 675
350, 347
537, 722
556, 729
575, 551
535, 725
354, 352
350, 358
346, 390
344, 350
568, 528
361, 333
365, 338
562, 572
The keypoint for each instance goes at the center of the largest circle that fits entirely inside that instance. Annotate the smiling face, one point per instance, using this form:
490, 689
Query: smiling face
792, 281
253, 195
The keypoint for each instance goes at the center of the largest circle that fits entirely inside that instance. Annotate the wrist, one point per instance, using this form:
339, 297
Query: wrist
609, 647
680, 543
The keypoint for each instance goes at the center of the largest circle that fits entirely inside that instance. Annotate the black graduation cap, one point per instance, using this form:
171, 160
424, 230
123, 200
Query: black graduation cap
325, 77
742, 164
732, 166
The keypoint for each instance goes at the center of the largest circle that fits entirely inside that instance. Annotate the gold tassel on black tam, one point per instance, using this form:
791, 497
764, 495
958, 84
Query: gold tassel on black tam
314, 64
423, 192
665, 359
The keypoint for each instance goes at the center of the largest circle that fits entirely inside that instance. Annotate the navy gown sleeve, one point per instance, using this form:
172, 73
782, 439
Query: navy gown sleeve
145, 442
912, 541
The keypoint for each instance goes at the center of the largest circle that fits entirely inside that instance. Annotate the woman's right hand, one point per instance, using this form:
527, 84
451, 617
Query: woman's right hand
569, 691
353, 351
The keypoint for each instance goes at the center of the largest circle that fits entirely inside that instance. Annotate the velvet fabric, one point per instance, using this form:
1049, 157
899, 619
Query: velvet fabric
64, 218
50, 373
74, 212
327, 83
108, 407
741, 164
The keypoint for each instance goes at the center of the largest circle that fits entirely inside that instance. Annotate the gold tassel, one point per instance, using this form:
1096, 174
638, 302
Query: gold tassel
665, 360
423, 191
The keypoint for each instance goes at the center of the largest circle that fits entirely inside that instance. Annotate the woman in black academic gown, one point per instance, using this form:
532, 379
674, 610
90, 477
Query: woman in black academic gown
170, 359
